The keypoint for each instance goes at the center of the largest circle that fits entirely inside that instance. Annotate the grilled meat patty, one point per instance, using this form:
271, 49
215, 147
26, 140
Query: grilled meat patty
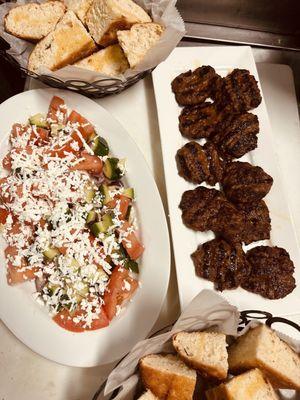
199, 121
238, 92
236, 135
199, 164
244, 184
206, 209
194, 87
222, 263
257, 224
271, 272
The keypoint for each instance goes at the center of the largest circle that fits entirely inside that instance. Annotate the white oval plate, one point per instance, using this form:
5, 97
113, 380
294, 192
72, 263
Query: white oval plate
30, 322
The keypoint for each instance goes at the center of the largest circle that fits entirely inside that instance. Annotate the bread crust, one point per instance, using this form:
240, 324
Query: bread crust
110, 36
167, 385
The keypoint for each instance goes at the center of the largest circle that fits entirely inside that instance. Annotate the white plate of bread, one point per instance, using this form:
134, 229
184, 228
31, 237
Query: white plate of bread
104, 36
253, 367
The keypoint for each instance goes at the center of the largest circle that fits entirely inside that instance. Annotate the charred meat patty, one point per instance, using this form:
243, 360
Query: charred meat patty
271, 272
236, 135
222, 263
257, 224
245, 185
194, 87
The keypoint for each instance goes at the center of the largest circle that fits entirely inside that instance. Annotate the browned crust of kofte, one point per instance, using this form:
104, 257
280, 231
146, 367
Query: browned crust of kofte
257, 224
222, 263
271, 273
238, 92
206, 209
245, 185
236, 135
194, 87
199, 121
199, 164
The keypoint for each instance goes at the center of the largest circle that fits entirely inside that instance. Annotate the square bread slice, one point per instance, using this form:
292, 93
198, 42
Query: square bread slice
204, 351
262, 348
33, 21
148, 395
105, 17
251, 385
79, 7
69, 42
110, 61
168, 377
137, 41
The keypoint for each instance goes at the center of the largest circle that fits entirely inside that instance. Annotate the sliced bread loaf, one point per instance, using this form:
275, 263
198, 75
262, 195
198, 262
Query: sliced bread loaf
105, 17
204, 351
262, 348
168, 377
148, 395
69, 42
79, 7
33, 21
249, 386
137, 41
110, 61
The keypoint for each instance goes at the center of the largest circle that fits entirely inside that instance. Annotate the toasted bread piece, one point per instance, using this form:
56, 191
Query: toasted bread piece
69, 42
168, 377
33, 21
262, 348
79, 7
139, 40
148, 395
105, 17
251, 385
204, 351
110, 61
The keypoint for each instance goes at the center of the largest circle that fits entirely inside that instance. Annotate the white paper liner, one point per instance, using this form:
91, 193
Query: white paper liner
207, 310
162, 11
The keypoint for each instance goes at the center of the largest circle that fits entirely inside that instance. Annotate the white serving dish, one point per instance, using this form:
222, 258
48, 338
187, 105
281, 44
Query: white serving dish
185, 241
29, 321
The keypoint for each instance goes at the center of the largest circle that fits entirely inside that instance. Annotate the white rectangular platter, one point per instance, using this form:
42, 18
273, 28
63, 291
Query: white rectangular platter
185, 241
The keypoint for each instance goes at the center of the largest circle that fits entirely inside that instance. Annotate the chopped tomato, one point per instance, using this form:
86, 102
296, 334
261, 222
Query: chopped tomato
4, 213
131, 243
41, 137
17, 130
91, 164
85, 127
65, 320
38, 136
118, 291
15, 274
63, 250
123, 207
57, 111
7, 160
5, 197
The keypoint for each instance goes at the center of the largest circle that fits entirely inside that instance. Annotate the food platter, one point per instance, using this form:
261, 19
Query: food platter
18, 310
185, 241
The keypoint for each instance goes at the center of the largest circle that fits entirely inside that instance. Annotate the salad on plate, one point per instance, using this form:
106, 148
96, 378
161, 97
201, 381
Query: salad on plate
68, 219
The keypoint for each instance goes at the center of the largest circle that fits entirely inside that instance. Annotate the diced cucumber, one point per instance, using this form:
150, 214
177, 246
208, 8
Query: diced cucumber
112, 170
129, 192
91, 217
89, 194
38, 120
51, 253
100, 146
132, 265
55, 128
103, 225
104, 190
75, 265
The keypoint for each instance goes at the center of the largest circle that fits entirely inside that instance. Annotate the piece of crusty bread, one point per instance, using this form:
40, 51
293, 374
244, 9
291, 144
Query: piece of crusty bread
168, 377
137, 41
69, 42
148, 395
204, 351
110, 61
251, 385
33, 21
262, 348
105, 17
79, 7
